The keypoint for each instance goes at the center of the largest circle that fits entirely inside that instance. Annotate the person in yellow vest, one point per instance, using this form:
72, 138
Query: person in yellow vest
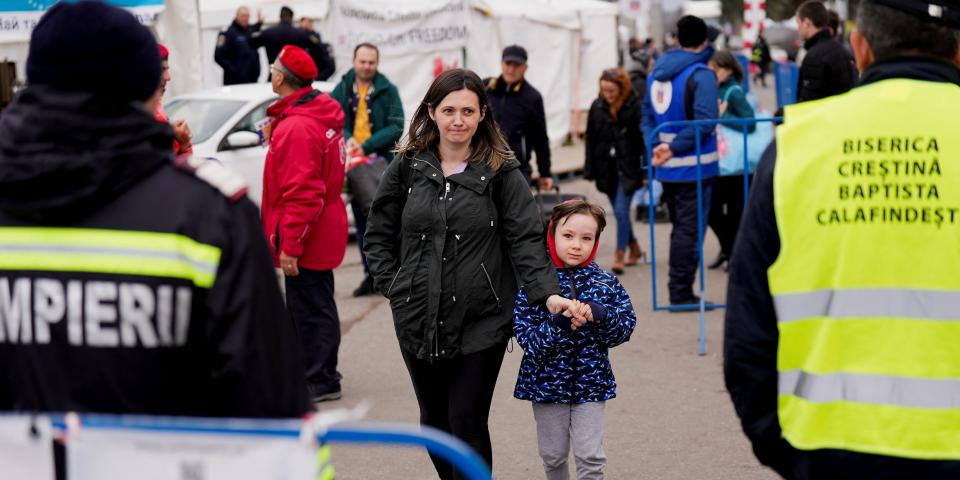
842, 341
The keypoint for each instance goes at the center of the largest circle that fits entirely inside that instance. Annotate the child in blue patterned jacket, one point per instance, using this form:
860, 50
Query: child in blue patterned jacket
565, 369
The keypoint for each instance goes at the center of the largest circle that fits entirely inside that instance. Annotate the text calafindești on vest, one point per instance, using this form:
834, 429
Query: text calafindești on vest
889, 180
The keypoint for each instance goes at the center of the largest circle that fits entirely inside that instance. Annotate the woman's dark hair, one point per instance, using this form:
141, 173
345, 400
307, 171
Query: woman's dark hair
572, 207
488, 144
725, 59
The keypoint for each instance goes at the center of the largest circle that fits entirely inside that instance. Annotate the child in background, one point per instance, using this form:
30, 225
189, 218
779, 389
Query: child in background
565, 370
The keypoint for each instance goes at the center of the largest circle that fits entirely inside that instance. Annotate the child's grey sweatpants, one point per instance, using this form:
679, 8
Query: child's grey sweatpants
559, 425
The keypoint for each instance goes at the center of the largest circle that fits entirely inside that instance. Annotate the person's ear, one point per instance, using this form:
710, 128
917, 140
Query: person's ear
483, 113
431, 112
862, 52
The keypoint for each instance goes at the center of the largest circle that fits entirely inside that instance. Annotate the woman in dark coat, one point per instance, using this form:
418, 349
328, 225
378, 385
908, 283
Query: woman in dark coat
726, 205
614, 156
451, 229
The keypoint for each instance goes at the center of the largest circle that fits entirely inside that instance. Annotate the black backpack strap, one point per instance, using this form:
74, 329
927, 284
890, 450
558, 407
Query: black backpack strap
406, 180
306, 98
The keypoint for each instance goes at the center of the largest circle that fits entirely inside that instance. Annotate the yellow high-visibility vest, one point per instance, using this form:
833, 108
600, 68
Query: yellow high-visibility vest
867, 282
325, 469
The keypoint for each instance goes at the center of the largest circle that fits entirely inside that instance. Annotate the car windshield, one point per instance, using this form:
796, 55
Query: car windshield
204, 117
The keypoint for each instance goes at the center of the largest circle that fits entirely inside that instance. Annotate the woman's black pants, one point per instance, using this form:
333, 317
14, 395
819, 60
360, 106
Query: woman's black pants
726, 208
455, 396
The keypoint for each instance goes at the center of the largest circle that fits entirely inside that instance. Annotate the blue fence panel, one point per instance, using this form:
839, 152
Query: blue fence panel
787, 77
743, 124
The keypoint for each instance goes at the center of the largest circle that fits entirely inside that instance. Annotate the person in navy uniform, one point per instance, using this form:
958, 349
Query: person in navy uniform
286, 33
239, 60
320, 52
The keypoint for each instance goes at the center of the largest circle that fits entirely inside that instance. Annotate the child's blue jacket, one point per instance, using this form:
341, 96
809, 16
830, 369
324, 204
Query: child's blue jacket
562, 366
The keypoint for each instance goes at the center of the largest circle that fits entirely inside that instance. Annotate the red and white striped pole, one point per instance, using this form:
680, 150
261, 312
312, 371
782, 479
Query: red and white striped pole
754, 13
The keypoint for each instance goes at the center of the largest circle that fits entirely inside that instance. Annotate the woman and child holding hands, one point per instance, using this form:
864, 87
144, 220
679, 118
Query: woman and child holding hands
452, 230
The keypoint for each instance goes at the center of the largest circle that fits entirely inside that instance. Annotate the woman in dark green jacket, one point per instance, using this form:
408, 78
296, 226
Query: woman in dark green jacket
726, 205
452, 227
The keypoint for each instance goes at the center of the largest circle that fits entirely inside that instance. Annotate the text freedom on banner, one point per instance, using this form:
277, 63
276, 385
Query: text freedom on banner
399, 30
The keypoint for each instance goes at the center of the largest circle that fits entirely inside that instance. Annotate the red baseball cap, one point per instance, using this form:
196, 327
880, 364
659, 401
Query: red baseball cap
164, 53
298, 61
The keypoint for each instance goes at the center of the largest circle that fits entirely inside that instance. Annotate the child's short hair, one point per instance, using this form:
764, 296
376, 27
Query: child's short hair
575, 206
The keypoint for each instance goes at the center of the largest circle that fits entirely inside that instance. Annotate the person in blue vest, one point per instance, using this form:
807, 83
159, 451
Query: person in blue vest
682, 87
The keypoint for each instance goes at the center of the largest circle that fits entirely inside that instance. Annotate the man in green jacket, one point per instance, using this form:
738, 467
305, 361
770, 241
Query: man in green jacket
374, 124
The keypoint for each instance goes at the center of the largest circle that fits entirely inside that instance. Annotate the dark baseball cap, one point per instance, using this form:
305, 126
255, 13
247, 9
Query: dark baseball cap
515, 54
942, 12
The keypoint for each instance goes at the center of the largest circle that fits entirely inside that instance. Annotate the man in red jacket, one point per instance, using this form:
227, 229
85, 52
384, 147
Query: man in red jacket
304, 216
181, 131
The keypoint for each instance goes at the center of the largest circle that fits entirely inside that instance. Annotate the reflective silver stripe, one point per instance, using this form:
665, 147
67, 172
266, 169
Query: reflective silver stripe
667, 137
869, 303
691, 160
203, 267
871, 389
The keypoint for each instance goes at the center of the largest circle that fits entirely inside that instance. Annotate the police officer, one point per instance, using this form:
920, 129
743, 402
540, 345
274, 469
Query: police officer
841, 334
129, 282
285, 33
319, 51
240, 61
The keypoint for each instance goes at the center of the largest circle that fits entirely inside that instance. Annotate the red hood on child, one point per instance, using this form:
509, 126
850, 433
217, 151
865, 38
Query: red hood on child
553, 249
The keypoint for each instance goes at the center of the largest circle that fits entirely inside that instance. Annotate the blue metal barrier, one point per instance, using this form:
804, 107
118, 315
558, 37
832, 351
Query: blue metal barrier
787, 78
438, 443
744, 123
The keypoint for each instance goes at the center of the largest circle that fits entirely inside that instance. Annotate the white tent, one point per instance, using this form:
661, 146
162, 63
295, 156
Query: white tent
550, 38
569, 43
417, 40
598, 44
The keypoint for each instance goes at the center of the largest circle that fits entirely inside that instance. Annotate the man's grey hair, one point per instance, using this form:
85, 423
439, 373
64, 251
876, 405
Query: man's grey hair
892, 34
289, 77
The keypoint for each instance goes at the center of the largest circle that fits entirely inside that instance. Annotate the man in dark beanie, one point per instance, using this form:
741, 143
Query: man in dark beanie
130, 283
680, 88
